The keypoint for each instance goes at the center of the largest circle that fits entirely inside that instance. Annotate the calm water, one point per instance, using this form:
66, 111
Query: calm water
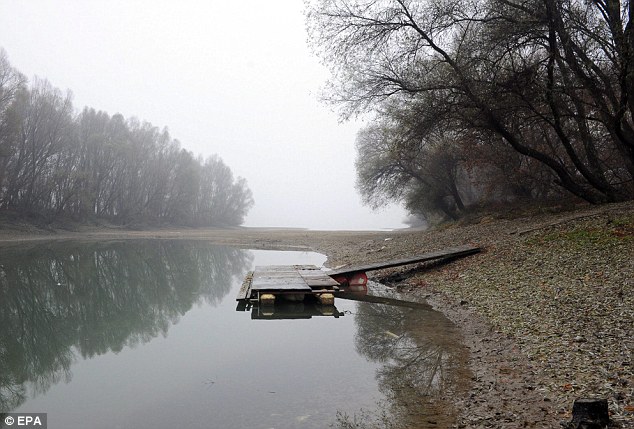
145, 334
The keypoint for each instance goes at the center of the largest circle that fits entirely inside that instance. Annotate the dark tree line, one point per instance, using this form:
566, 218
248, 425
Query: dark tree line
484, 99
56, 163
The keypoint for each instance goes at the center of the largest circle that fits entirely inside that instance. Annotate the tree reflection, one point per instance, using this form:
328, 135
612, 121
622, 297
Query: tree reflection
423, 364
88, 299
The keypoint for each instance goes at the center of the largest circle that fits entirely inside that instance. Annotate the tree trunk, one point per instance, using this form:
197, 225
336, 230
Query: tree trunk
589, 413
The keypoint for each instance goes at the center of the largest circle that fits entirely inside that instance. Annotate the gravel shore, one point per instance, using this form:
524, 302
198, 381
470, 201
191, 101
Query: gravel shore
546, 310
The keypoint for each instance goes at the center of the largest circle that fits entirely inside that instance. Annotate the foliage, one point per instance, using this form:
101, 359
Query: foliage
527, 99
55, 163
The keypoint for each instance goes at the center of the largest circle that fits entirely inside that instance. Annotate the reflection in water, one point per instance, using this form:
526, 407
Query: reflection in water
294, 310
422, 364
63, 303
60, 300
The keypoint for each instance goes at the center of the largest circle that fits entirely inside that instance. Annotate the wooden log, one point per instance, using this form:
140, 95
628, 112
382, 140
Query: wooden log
589, 413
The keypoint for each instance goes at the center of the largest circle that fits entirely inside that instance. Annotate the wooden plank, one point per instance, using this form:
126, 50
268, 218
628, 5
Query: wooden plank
278, 278
306, 268
452, 252
321, 282
318, 278
245, 290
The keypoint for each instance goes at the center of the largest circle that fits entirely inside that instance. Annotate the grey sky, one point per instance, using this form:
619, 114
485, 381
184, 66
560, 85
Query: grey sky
232, 78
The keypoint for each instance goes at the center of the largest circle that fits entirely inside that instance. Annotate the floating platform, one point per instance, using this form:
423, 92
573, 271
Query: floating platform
291, 282
268, 284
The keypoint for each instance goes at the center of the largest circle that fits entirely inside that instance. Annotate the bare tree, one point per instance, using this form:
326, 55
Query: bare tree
398, 160
45, 118
549, 79
54, 163
11, 82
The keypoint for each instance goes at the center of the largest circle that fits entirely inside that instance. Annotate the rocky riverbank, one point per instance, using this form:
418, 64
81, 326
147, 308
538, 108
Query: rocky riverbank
546, 310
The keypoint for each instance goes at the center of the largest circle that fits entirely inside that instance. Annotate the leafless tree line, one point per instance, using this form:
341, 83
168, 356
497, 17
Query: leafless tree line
56, 163
478, 100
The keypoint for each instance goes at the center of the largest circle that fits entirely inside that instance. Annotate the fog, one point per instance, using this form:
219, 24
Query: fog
232, 78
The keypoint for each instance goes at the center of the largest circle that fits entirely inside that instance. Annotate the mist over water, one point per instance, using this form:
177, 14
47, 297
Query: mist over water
251, 96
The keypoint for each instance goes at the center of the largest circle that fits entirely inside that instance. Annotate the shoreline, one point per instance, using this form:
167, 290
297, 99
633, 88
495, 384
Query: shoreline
545, 311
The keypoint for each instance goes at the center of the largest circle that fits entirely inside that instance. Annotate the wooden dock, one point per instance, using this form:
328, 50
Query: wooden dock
295, 282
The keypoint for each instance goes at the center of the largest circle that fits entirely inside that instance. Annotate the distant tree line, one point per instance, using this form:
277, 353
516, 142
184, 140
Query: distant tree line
56, 163
477, 101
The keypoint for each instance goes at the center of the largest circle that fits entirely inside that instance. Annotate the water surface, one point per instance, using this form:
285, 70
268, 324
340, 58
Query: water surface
145, 334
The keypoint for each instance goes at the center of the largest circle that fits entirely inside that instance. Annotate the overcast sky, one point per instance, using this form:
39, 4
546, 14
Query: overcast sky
235, 78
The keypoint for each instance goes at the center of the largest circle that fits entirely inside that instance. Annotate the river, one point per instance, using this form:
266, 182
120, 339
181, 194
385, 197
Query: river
145, 334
